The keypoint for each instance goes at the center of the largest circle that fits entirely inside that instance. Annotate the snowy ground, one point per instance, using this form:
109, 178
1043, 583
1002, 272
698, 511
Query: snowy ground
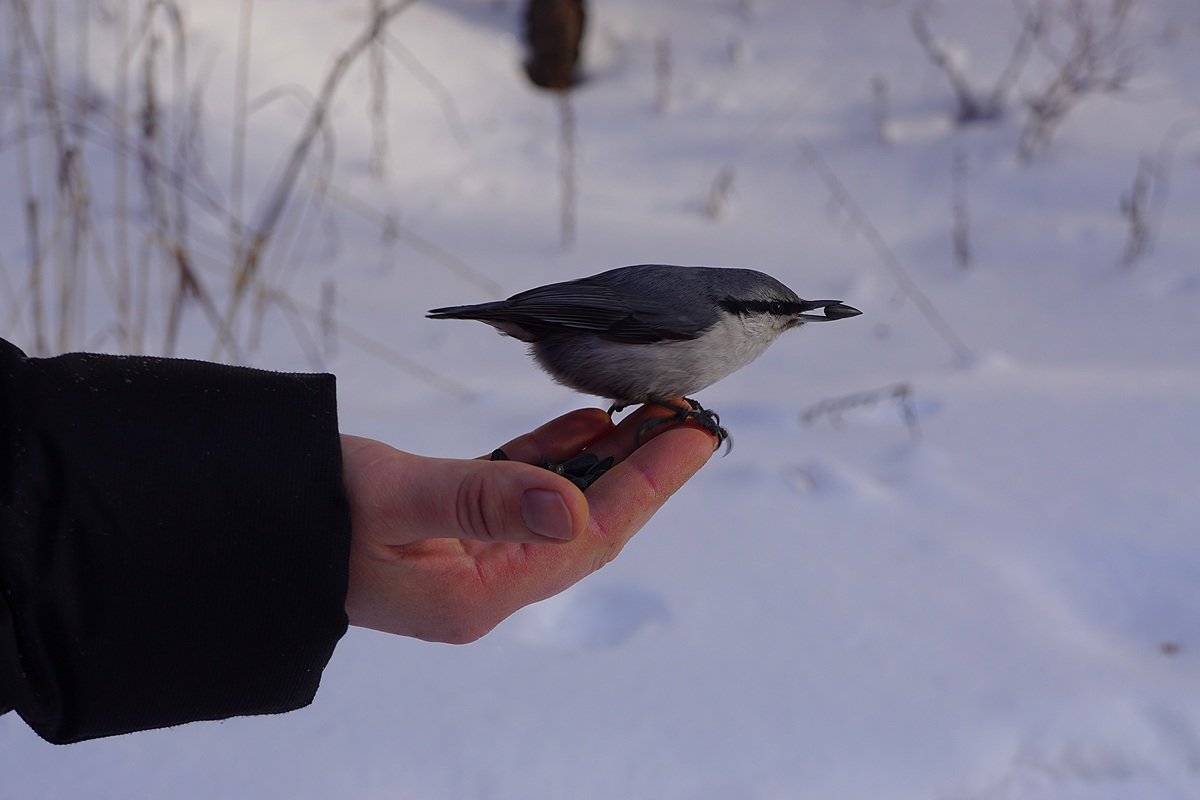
986, 588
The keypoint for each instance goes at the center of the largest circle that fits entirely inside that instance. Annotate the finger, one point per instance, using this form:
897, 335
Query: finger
560, 438
490, 501
619, 504
636, 488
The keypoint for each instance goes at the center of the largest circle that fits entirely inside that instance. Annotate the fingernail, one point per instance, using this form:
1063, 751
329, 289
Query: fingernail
546, 514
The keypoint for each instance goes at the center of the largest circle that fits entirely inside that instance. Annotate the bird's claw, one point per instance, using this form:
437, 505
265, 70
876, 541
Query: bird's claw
582, 470
707, 419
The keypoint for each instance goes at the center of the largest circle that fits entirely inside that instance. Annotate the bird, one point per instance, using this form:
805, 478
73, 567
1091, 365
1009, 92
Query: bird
650, 333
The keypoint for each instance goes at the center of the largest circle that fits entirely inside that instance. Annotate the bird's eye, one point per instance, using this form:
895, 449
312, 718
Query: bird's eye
777, 308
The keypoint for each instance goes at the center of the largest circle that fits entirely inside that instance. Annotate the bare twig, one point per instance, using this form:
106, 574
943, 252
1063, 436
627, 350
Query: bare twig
862, 223
970, 107
305, 216
327, 317
67, 180
237, 162
961, 235
432, 84
1143, 204
166, 218
975, 106
719, 192
833, 408
568, 175
127, 335
662, 74
1033, 24
377, 64
36, 262
392, 230
1135, 206
880, 109
1099, 60
373, 347
278, 197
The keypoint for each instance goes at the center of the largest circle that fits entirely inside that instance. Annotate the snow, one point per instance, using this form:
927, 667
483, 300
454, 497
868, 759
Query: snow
986, 588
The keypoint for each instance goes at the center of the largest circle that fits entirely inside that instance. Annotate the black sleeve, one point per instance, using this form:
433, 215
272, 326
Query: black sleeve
174, 541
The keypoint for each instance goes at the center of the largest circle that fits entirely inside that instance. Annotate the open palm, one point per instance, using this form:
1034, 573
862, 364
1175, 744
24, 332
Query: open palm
444, 549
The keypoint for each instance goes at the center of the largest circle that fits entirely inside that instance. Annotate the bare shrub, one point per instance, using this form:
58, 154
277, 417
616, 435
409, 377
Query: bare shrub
833, 409
1142, 204
1099, 59
975, 105
127, 231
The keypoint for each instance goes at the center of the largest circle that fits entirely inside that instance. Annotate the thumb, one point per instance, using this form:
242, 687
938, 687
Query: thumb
491, 501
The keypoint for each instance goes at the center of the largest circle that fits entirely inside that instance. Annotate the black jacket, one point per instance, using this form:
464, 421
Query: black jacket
174, 541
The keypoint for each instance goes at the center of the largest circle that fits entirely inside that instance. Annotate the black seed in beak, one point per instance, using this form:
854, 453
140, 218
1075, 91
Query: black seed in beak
840, 311
832, 309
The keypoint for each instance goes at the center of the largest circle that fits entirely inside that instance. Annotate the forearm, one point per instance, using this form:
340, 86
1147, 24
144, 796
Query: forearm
173, 541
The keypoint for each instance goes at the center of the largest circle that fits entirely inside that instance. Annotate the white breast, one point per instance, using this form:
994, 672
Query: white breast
637, 373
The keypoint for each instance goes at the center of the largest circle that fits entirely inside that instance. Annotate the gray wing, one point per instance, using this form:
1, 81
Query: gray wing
590, 306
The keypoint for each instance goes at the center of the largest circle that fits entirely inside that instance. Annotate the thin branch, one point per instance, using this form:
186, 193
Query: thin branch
432, 84
377, 106
1099, 60
237, 166
833, 408
961, 235
377, 349
970, 107
908, 285
278, 198
1143, 205
391, 228
568, 172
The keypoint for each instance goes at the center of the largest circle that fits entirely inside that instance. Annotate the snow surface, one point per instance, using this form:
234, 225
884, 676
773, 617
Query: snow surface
985, 589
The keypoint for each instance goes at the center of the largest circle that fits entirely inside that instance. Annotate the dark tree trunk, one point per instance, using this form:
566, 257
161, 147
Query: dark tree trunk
553, 34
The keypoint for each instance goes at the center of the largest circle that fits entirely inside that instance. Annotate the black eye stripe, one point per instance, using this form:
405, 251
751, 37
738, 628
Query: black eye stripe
743, 307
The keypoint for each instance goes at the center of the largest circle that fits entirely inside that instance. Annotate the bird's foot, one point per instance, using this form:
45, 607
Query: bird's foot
706, 418
582, 470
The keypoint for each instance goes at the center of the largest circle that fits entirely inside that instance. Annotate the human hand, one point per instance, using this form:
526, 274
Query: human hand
445, 549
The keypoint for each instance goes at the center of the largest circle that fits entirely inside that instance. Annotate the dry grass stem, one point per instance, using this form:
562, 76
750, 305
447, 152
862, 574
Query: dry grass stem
833, 409
961, 235
568, 157
280, 194
845, 201
162, 235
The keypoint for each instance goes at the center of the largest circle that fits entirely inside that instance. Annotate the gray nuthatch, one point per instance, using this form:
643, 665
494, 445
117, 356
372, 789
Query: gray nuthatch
652, 332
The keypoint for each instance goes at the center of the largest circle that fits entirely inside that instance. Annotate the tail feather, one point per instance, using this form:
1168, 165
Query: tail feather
477, 311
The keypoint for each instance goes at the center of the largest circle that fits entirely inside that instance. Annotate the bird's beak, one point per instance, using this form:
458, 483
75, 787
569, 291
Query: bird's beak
831, 310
